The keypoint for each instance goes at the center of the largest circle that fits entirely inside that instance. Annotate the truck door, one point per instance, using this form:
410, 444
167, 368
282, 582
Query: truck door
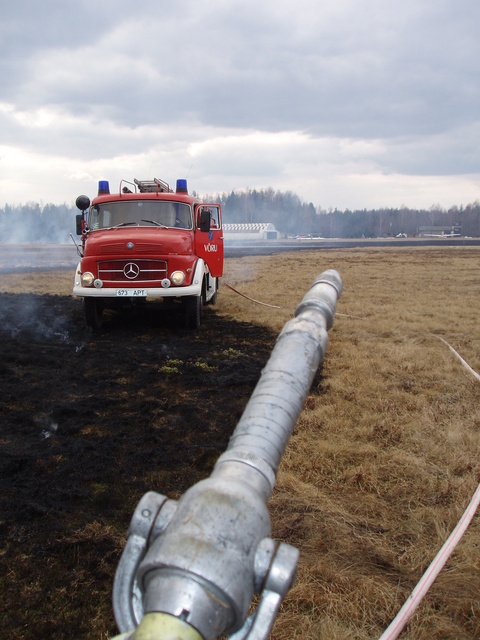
209, 236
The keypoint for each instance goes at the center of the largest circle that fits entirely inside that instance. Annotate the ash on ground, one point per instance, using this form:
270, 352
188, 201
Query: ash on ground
89, 423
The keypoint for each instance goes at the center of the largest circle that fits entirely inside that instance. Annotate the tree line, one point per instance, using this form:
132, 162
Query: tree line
290, 215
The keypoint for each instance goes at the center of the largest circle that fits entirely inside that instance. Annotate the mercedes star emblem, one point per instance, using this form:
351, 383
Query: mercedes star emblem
131, 270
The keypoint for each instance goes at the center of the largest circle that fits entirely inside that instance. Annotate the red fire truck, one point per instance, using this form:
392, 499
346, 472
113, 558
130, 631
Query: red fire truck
148, 241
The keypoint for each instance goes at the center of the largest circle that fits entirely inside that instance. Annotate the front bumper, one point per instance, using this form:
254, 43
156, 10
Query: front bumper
195, 289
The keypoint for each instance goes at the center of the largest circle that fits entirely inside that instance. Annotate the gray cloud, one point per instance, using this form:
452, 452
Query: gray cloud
88, 82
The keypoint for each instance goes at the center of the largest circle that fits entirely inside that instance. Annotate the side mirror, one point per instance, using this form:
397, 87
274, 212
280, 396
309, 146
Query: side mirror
205, 220
79, 219
82, 202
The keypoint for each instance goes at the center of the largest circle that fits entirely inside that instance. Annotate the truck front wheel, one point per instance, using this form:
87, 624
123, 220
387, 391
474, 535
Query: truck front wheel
93, 309
193, 312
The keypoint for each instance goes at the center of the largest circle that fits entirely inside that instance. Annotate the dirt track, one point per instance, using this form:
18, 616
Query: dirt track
89, 423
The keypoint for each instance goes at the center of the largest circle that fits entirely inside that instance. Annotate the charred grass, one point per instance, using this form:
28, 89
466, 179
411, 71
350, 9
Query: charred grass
381, 465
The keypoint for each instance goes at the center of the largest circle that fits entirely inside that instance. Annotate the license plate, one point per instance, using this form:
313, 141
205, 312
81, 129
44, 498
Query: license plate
131, 293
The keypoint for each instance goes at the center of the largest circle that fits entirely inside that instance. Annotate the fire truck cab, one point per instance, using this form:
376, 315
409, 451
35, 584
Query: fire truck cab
148, 241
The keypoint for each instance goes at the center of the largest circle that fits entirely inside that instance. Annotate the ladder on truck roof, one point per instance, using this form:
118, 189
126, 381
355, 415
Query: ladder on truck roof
152, 186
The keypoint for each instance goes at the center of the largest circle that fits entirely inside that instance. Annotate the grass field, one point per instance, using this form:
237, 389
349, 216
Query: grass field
385, 456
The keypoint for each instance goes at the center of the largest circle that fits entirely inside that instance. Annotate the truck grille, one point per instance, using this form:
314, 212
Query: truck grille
132, 271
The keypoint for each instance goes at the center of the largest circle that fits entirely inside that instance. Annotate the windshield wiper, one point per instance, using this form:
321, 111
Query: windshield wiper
123, 224
159, 224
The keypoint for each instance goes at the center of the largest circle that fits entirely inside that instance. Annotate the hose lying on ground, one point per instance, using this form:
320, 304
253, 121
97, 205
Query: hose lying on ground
396, 626
274, 306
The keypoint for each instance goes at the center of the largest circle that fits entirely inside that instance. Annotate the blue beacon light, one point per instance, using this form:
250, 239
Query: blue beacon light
103, 187
182, 185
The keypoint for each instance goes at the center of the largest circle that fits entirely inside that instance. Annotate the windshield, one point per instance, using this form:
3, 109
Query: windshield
143, 213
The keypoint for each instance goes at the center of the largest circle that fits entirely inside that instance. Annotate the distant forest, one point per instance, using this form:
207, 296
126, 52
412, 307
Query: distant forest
291, 216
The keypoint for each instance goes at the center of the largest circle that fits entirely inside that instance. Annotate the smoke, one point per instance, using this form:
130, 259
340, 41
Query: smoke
39, 319
50, 427
46, 224
14, 258
23, 314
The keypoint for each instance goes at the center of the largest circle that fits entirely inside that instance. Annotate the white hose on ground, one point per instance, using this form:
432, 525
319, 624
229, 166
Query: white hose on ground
414, 599
398, 623
465, 364
229, 286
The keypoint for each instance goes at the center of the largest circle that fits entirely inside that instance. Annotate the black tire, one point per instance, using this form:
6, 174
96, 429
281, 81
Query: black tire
193, 312
93, 310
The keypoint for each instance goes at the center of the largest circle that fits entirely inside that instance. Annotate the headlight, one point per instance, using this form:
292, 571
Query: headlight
87, 279
177, 278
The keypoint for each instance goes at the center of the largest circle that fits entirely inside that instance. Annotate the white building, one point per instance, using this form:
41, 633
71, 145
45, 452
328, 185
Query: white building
250, 231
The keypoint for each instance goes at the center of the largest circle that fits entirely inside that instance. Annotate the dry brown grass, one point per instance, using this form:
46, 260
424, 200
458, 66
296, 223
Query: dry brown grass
385, 456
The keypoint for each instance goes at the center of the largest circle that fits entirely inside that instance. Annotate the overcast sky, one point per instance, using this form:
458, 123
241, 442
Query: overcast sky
348, 103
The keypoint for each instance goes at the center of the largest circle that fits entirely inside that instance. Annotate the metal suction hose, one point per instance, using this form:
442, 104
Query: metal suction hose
190, 569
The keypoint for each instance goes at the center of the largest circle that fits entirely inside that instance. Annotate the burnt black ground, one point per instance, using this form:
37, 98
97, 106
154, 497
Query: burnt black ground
88, 424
